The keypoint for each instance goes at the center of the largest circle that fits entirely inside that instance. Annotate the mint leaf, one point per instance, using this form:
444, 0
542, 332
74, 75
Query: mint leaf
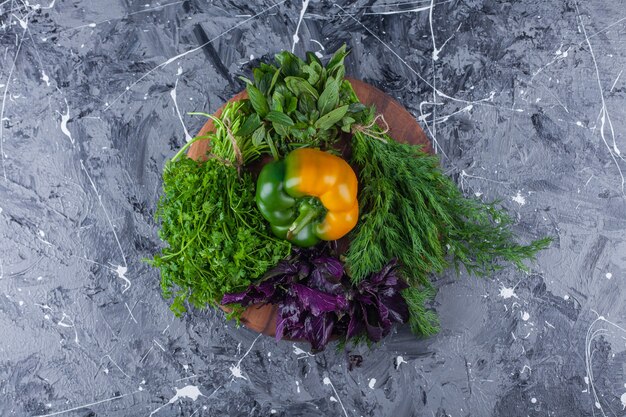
245, 80
337, 58
298, 86
258, 136
258, 100
328, 120
307, 103
250, 125
329, 98
277, 102
279, 118
290, 64
313, 71
291, 104
274, 79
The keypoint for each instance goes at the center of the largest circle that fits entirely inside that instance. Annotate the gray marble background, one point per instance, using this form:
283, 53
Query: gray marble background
523, 99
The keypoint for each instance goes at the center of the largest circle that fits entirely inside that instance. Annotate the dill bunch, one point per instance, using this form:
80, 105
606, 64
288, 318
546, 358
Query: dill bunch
414, 212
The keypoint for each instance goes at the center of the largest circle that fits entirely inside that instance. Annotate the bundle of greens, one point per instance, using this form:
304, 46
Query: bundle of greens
218, 242
317, 301
417, 214
300, 103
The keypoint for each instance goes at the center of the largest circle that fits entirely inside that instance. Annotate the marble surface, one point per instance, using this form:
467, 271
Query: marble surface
524, 101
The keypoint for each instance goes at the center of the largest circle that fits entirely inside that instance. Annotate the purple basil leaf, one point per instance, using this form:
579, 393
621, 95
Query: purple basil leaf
374, 332
329, 266
377, 303
284, 272
289, 317
263, 293
327, 274
397, 307
319, 280
318, 302
236, 297
388, 272
356, 325
318, 330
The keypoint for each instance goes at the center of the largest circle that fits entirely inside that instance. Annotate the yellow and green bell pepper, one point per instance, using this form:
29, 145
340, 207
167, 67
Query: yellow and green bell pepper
309, 196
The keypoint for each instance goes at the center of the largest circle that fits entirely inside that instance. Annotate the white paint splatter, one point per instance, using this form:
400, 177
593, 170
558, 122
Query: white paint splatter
297, 387
295, 37
525, 316
318, 53
507, 293
190, 391
62, 323
235, 370
327, 381
301, 353
566, 297
180, 117
592, 333
45, 78
64, 119
117, 397
418, 9
372, 383
623, 400
608, 275
130, 312
533, 400
399, 361
605, 117
23, 22
121, 274
298, 351
519, 199
333, 399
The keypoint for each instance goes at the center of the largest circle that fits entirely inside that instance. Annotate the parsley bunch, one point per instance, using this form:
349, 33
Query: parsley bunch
218, 241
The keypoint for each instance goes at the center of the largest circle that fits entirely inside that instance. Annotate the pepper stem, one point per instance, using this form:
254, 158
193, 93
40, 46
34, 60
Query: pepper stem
307, 214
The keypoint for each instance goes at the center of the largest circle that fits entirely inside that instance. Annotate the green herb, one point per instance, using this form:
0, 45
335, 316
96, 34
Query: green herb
300, 103
423, 322
413, 212
218, 241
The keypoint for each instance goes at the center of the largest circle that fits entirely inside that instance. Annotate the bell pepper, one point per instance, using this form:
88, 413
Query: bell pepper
309, 196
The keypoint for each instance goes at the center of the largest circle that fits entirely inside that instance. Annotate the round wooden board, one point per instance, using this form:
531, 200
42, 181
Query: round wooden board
402, 126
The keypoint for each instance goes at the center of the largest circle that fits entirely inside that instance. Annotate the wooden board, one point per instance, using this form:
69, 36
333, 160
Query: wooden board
402, 127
